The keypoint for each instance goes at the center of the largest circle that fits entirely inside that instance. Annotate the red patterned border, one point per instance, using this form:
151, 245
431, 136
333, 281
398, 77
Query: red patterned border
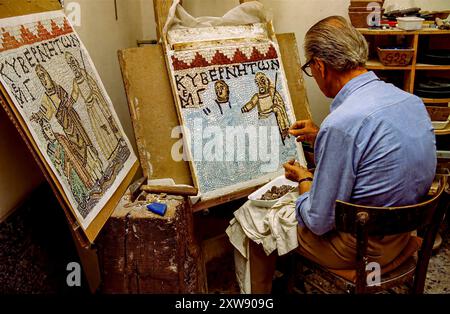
27, 37
220, 59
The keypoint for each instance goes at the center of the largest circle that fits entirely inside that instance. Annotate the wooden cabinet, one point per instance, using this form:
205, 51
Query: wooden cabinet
407, 77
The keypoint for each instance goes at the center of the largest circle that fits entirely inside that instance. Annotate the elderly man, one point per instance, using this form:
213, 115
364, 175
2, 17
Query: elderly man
376, 147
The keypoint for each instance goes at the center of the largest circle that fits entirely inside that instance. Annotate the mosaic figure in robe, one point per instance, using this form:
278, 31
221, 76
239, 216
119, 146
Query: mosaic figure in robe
60, 151
102, 121
56, 103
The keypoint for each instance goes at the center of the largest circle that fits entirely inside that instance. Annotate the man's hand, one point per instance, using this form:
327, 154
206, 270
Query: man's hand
305, 131
295, 172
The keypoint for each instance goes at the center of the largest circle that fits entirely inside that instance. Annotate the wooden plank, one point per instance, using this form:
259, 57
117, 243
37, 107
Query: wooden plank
215, 201
9, 8
294, 76
153, 112
377, 65
396, 31
436, 100
423, 66
161, 8
411, 79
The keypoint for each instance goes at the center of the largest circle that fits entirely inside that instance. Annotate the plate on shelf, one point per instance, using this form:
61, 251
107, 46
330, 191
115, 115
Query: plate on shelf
439, 125
438, 57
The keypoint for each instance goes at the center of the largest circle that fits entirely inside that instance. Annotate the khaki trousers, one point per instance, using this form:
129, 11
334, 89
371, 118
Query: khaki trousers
333, 250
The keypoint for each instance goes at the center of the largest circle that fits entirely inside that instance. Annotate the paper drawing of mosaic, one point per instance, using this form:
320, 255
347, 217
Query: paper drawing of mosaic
53, 83
230, 79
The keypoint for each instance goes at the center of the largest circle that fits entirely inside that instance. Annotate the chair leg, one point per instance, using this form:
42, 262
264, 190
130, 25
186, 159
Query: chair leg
296, 278
301, 279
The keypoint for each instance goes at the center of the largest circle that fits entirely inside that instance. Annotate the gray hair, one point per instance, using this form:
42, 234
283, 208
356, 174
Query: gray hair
337, 43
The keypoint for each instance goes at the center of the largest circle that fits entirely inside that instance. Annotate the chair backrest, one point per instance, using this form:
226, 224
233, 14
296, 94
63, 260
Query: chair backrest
382, 221
365, 221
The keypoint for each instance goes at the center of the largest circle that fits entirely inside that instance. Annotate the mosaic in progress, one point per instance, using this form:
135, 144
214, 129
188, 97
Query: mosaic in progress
52, 81
233, 99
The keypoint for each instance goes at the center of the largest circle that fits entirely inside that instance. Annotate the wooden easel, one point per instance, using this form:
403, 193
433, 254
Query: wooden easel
83, 238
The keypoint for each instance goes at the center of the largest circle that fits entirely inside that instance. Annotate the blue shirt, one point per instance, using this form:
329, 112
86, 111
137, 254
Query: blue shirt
377, 147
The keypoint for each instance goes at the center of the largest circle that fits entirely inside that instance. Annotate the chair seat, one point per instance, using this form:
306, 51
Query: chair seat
393, 269
402, 267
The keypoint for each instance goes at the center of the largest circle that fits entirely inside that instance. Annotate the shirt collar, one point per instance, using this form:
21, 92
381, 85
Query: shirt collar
352, 86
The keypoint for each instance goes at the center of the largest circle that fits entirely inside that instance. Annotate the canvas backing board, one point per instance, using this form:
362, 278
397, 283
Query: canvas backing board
226, 83
153, 112
60, 113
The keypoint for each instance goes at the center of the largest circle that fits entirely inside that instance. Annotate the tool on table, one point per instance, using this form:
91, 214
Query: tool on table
183, 190
135, 189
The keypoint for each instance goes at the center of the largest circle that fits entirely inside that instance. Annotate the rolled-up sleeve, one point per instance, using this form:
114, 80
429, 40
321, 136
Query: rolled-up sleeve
334, 177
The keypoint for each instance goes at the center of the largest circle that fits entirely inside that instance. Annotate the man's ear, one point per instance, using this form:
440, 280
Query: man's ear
321, 67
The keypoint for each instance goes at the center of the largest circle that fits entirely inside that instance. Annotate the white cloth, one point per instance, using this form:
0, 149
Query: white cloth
246, 13
274, 228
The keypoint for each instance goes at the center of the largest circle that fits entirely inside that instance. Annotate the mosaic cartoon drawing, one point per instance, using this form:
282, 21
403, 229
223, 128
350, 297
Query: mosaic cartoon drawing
54, 87
269, 101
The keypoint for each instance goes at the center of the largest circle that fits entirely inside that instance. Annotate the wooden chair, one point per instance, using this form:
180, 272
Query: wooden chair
364, 221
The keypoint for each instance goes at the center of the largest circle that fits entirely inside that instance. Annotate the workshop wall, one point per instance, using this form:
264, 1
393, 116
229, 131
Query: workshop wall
298, 16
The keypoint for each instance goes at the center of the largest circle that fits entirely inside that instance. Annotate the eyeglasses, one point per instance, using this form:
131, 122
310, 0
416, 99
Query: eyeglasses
306, 68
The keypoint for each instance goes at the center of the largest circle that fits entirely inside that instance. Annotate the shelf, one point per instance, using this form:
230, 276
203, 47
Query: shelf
436, 100
397, 31
377, 65
445, 131
423, 66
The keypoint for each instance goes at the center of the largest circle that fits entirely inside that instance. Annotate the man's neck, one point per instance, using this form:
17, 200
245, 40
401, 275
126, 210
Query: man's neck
344, 78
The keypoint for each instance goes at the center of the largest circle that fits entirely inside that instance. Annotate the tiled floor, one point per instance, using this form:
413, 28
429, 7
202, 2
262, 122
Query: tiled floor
438, 276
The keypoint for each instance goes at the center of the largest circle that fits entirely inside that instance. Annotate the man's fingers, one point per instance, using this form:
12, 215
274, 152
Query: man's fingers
297, 132
298, 124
